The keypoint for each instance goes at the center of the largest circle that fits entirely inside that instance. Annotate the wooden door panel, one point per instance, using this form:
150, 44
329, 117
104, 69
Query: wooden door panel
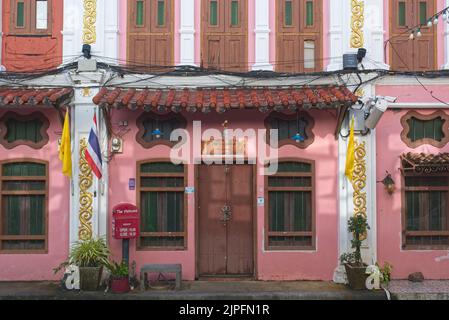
235, 53
240, 229
424, 49
213, 54
212, 233
132, 16
157, 26
317, 14
402, 54
161, 50
242, 25
288, 53
139, 49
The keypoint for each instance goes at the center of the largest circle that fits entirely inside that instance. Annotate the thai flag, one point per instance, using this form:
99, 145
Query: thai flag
93, 152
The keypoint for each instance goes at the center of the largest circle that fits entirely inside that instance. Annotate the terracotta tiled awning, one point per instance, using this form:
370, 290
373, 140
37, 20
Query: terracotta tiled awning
222, 99
425, 163
32, 97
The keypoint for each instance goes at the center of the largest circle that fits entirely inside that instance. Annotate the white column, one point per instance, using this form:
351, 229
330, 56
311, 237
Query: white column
262, 35
106, 26
187, 32
446, 42
374, 32
339, 32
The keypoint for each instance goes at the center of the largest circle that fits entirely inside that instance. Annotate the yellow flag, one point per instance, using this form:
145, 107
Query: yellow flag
350, 155
65, 150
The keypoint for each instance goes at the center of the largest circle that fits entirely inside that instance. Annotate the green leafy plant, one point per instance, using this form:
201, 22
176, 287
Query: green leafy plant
88, 253
358, 226
119, 270
386, 272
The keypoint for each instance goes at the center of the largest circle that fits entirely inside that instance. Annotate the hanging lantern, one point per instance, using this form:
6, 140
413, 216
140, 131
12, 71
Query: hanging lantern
429, 23
412, 36
389, 184
418, 33
435, 21
157, 133
298, 138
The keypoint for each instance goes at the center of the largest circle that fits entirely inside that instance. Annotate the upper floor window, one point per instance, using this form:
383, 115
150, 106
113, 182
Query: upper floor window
29, 130
420, 53
156, 129
291, 207
32, 17
419, 129
23, 210
224, 31
299, 33
161, 188
150, 32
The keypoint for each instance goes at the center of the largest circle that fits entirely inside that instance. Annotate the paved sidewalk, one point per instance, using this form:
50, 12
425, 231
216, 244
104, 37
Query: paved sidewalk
427, 290
199, 290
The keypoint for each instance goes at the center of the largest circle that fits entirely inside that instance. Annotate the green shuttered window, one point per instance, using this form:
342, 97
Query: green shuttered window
426, 212
234, 13
29, 130
140, 8
402, 13
20, 15
422, 12
425, 129
213, 19
309, 13
23, 207
290, 207
161, 188
161, 13
288, 19
24, 130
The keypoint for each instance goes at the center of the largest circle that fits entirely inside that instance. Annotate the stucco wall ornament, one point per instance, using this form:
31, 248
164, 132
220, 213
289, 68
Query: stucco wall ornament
86, 197
89, 20
359, 180
357, 23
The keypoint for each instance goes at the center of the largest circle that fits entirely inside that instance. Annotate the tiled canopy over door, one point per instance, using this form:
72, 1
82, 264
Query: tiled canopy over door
150, 32
298, 35
417, 54
225, 31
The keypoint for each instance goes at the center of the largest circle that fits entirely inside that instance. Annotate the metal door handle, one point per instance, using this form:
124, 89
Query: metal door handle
226, 214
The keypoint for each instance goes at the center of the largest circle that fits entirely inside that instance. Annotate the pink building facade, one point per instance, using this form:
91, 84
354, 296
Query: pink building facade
231, 220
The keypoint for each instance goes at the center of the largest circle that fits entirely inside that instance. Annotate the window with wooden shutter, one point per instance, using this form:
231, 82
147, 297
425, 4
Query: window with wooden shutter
224, 29
31, 17
418, 54
150, 33
29, 130
426, 212
290, 206
299, 35
420, 129
161, 188
23, 206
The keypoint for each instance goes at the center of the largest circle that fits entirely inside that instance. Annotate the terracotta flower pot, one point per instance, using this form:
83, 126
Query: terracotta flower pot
356, 277
90, 278
120, 284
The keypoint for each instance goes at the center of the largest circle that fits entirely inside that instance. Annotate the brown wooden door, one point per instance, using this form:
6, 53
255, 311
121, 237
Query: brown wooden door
418, 54
224, 27
298, 36
150, 32
225, 245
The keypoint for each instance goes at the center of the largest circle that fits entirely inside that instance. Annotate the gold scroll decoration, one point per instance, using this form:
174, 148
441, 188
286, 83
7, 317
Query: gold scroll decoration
357, 22
86, 197
89, 20
359, 180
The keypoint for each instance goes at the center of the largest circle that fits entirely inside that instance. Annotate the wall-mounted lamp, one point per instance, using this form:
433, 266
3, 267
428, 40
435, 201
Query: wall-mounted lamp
389, 184
117, 145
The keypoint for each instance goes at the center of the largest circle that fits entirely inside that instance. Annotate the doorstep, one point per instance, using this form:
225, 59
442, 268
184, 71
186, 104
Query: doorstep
198, 290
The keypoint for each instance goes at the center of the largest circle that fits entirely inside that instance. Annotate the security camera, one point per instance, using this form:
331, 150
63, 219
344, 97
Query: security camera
376, 113
390, 99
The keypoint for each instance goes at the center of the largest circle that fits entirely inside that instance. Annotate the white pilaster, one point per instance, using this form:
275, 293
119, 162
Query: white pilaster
339, 32
374, 35
446, 41
187, 32
106, 26
262, 35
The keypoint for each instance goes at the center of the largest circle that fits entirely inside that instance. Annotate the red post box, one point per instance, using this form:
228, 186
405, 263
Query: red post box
125, 221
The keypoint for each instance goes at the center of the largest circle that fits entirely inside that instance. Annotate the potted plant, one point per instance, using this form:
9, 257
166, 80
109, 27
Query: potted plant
90, 256
355, 268
119, 279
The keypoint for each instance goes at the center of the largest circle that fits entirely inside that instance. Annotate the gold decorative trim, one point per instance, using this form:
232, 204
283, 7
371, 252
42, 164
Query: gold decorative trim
359, 180
357, 23
89, 20
86, 197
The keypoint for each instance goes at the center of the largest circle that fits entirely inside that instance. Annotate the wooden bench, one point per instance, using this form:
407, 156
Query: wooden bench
168, 268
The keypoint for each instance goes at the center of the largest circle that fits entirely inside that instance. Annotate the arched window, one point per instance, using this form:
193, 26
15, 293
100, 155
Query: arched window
29, 130
290, 125
290, 206
156, 129
23, 206
161, 197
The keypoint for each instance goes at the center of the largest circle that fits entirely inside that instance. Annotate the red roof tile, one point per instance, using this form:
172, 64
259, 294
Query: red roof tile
222, 99
19, 97
426, 162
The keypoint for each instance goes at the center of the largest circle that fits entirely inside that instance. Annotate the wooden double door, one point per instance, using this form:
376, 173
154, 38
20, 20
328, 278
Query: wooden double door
225, 220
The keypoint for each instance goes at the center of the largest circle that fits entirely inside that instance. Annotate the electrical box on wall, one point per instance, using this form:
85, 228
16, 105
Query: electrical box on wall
359, 119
